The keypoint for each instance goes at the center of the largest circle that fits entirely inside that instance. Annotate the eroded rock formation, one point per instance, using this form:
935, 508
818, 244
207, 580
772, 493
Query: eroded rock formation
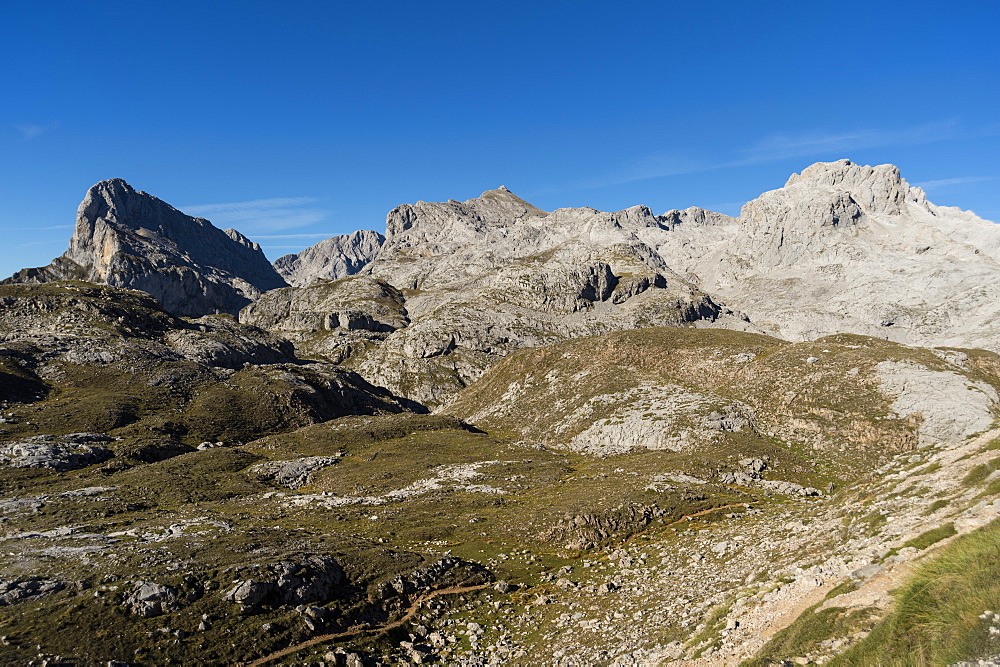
128, 238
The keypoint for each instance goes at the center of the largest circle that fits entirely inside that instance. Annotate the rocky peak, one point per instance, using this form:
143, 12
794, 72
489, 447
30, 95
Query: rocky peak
434, 222
694, 216
242, 240
880, 189
829, 198
331, 259
127, 238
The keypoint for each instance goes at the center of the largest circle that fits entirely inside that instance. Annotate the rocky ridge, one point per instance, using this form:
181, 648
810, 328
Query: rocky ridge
128, 238
464, 283
330, 259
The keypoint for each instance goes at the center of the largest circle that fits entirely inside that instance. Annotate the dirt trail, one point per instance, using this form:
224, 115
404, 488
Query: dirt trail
355, 631
875, 592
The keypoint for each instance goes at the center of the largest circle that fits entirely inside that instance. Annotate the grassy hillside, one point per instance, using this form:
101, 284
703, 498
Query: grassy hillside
819, 402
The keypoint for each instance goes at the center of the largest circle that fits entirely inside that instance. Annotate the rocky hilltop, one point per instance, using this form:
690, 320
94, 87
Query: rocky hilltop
331, 259
128, 238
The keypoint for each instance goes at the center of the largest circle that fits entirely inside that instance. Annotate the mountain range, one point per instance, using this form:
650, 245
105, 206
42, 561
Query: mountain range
497, 434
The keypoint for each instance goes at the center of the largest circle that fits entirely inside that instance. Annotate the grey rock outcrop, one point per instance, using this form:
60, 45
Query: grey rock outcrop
316, 579
295, 473
950, 405
89, 324
57, 452
12, 592
128, 238
336, 257
149, 599
221, 342
332, 319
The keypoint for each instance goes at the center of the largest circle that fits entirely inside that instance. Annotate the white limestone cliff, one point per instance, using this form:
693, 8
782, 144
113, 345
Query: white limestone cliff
128, 238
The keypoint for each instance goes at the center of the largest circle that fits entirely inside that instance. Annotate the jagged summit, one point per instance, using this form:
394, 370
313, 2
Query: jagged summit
880, 189
127, 238
493, 208
853, 248
330, 259
502, 196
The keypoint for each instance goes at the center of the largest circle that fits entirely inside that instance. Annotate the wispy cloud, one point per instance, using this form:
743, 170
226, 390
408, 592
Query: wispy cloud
45, 242
34, 229
320, 235
263, 215
776, 147
252, 205
781, 146
940, 183
31, 130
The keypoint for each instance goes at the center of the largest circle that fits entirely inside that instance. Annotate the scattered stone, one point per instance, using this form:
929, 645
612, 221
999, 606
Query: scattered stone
149, 599
316, 579
12, 592
292, 474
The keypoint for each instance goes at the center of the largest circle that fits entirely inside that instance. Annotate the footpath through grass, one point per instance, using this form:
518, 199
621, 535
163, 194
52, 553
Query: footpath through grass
937, 616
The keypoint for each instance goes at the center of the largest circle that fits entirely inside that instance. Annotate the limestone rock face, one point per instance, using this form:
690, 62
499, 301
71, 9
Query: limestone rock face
331, 259
458, 285
332, 319
128, 238
850, 248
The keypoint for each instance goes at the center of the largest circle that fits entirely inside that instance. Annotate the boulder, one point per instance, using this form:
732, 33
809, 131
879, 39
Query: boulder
148, 599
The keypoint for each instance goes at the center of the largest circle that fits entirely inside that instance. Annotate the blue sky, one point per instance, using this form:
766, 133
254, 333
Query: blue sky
295, 121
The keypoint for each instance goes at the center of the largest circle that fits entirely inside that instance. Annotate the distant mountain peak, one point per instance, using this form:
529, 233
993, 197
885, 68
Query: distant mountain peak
330, 259
127, 238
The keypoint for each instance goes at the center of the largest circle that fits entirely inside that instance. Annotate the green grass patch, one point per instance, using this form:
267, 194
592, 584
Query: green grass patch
936, 616
811, 628
979, 474
932, 536
934, 467
841, 588
992, 489
936, 505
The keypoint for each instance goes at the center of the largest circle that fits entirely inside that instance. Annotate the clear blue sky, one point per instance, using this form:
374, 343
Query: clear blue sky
293, 121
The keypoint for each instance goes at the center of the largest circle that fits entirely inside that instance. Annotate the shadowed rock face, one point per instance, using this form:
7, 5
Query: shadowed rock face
334, 258
128, 238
